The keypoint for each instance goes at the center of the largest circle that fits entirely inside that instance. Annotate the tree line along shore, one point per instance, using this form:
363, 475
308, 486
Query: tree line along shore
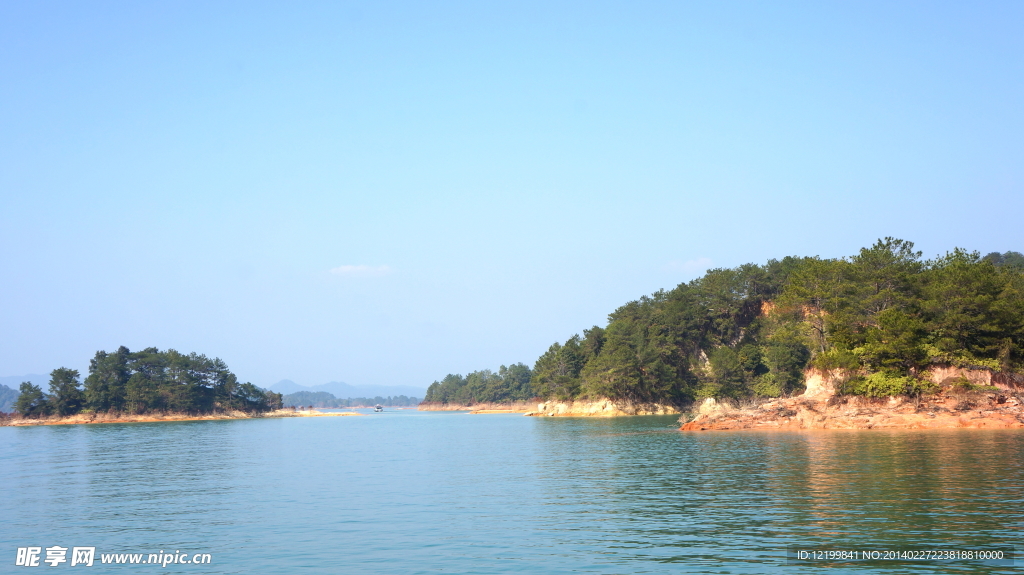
126, 383
154, 385
881, 323
324, 399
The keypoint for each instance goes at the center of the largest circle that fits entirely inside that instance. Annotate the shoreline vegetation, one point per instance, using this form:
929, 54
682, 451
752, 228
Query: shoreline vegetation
537, 408
328, 400
882, 338
91, 418
127, 385
849, 341
480, 407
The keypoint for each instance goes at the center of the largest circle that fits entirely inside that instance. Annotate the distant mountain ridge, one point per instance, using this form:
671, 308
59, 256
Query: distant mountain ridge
343, 390
7, 398
9, 388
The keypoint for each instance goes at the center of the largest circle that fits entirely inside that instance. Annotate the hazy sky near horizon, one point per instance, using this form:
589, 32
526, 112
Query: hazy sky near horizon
387, 192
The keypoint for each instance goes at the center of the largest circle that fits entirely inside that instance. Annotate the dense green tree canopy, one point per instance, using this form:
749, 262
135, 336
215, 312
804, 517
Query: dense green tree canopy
31, 401
884, 314
511, 383
145, 381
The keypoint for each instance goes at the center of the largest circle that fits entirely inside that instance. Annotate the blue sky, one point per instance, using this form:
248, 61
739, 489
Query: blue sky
387, 192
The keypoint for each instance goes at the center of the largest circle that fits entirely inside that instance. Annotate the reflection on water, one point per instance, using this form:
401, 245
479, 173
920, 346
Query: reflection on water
411, 492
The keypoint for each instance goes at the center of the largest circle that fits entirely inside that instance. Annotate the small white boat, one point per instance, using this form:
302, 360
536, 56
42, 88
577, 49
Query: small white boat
378, 408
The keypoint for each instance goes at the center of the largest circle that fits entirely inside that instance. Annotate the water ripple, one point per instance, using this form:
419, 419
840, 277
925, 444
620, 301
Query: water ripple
410, 492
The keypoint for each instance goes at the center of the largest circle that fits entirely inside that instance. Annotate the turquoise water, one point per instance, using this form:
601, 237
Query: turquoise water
428, 492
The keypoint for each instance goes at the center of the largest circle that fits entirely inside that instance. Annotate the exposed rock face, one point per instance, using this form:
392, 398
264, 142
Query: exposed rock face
942, 410
601, 408
823, 384
944, 373
711, 407
1012, 382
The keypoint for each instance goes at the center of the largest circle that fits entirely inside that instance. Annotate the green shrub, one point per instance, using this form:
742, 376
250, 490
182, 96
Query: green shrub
769, 386
837, 358
882, 384
961, 384
960, 358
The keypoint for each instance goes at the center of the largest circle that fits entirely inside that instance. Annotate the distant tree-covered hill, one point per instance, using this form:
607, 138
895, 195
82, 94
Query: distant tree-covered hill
7, 398
883, 315
341, 389
325, 399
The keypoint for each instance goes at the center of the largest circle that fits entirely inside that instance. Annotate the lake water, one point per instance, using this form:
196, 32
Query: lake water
441, 492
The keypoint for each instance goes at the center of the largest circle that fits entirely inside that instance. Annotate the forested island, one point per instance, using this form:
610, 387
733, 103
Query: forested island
147, 381
880, 323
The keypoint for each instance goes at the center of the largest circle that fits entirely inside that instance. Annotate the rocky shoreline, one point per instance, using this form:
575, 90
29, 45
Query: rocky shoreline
943, 410
600, 408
